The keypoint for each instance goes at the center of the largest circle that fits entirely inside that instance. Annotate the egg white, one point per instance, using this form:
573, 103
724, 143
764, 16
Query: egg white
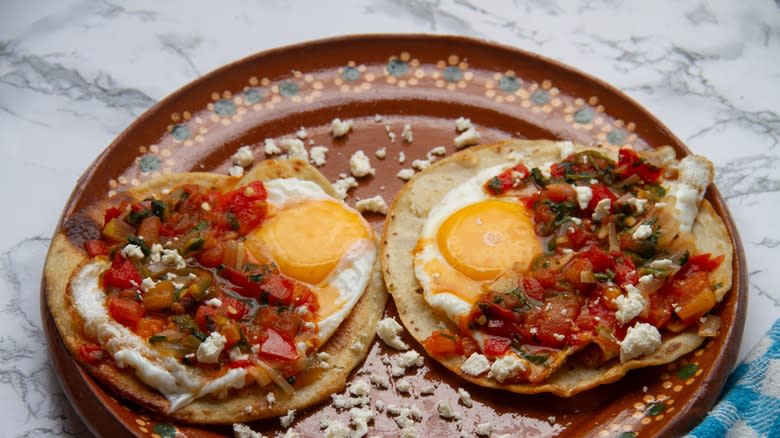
467, 193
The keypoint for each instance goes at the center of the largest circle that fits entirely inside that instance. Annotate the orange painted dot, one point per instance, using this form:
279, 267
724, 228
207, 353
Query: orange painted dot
670, 402
663, 397
659, 417
604, 432
546, 84
215, 96
667, 385
646, 421
253, 81
579, 101
453, 59
140, 422
698, 372
641, 406
405, 56
689, 382
441, 64
638, 415
593, 100
677, 388
627, 427
143, 429
648, 399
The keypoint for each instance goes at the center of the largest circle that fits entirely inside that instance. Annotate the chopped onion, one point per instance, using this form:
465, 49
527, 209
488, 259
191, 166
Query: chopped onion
261, 376
614, 245
587, 277
277, 377
240, 256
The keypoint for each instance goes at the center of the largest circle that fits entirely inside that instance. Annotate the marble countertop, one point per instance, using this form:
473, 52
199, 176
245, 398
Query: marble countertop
75, 73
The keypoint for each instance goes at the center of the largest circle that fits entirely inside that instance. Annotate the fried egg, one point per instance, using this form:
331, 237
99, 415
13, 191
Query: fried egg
319, 241
468, 239
309, 235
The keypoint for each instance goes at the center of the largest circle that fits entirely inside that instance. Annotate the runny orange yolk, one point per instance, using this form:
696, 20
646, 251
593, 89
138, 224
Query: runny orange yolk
307, 240
484, 239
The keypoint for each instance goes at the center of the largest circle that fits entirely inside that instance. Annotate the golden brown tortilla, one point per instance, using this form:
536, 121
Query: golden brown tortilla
249, 403
410, 209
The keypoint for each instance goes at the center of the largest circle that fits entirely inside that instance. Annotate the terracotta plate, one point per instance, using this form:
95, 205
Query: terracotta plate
382, 83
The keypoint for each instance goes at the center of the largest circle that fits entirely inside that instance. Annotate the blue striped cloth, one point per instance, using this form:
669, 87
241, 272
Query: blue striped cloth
750, 403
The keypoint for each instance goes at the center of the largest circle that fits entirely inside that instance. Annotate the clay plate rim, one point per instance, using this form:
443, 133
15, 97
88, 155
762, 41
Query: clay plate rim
88, 398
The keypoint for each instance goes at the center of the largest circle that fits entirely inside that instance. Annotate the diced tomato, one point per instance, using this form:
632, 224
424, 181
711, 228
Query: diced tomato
149, 230
496, 346
533, 288
125, 311
506, 180
205, 317
500, 321
233, 308
279, 319
232, 333
241, 363
303, 296
441, 343
111, 213
579, 236
96, 247
573, 273
660, 310
279, 289
245, 286
629, 163
600, 260
212, 257
122, 273
625, 270
278, 348
92, 354
703, 263
530, 201
147, 327
559, 193
686, 288
600, 192
243, 207
553, 321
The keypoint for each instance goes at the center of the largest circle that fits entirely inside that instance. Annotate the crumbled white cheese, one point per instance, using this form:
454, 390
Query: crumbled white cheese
380, 381
421, 164
407, 134
465, 398
357, 346
213, 302
584, 195
131, 251
661, 264
244, 431
602, 209
475, 365
379, 405
388, 331
172, 257
360, 165
336, 429
566, 148
637, 204
236, 171
467, 138
287, 420
210, 349
559, 337
324, 360
360, 418
427, 389
403, 386
147, 283
437, 151
445, 409
645, 279
463, 124
405, 174
391, 136
243, 156
317, 155
506, 367
375, 204
339, 128
545, 169
301, 133
343, 184
401, 157
642, 232
407, 359
695, 174
381, 153
360, 388
377, 118
483, 429
576, 220
295, 149
640, 339
270, 147
270, 398
629, 305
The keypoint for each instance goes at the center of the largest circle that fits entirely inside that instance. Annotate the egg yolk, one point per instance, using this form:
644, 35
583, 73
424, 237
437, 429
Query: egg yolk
484, 239
307, 240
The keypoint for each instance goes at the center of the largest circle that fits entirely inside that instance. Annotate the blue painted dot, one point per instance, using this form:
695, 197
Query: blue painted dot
149, 163
509, 84
583, 115
616, 137
350, 74
224, 107
288, 88
540, 97
396, 67
254, 95
453, 74
180, 132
